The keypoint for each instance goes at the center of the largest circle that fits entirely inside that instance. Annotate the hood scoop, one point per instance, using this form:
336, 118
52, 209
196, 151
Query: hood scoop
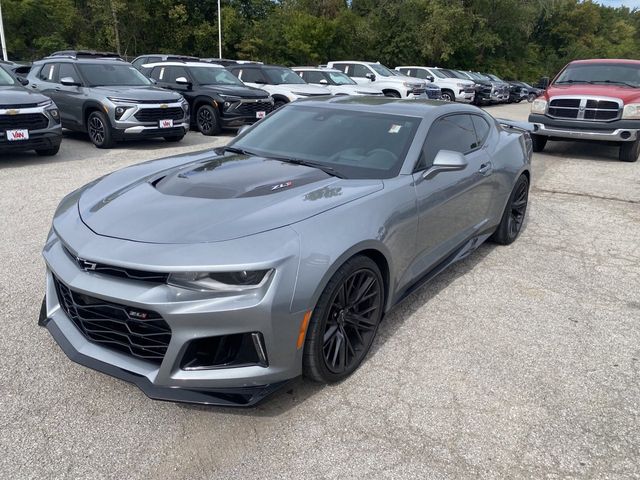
226, 177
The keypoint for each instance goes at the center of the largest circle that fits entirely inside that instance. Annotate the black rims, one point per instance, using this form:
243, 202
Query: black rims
514, 213
207, 120
345, 321
99, 130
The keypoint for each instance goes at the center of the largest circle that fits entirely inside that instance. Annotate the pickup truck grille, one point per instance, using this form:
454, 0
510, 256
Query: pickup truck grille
589, 109
30, 121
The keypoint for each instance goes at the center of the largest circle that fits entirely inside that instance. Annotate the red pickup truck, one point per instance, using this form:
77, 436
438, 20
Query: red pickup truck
591, 100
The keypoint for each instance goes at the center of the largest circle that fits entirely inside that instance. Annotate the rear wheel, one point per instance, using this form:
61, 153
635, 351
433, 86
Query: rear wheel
513, 215
629, 151
208, 120
538, 142
48, 152
344, 322
99, 129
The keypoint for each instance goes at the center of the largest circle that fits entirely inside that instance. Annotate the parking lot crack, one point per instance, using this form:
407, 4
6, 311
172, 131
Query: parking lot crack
587, 195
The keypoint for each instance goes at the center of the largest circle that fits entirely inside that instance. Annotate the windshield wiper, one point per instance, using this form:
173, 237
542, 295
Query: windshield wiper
617, 82
239, 151
307, 163
575, 81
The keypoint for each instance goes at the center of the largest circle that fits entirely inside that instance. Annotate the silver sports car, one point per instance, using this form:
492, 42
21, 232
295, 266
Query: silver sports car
216, 277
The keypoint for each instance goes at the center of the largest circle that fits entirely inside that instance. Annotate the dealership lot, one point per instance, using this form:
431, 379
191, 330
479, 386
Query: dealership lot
519, 362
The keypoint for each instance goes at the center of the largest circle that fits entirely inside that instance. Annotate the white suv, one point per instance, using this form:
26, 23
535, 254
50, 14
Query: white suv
453, 89
335, 81
378, 76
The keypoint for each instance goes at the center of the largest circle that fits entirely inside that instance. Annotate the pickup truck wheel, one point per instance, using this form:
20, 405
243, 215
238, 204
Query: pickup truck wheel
448, 96
208, 120
391, 93
629, 151
538, 142
99, 129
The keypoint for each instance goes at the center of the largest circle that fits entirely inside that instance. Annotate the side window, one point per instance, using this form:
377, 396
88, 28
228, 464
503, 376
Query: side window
66, 70
342, 67
138, 62
359, 71
236, 72
406, 71
314, 77
47, 71
420, 73
482, 129
171, 73
157, 73
453, 132
252, 75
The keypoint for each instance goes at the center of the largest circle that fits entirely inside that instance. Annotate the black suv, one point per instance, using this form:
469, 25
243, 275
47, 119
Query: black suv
28, 120
216, 97
106, 97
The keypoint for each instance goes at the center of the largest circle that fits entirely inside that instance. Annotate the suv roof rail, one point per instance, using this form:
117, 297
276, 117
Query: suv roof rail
76, 54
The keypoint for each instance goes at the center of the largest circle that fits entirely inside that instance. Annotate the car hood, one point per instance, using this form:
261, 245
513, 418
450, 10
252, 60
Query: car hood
139, 93
238, 90
626, 94
212, 199
16, 95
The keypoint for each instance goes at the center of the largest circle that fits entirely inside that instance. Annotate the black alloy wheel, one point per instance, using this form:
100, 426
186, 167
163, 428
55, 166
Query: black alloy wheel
345, 321
207, 120
99, 130
514, 213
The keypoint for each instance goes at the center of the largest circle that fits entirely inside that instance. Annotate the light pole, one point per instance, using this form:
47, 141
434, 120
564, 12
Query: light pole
219, 33
4, 43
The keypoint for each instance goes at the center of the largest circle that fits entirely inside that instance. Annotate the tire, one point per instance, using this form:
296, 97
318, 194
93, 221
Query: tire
629, 151
208, 120
448, 96
538, 142
100, 130
174, 139
514, 213
531, 97
392, 94
278, 104
48, 152
334, 319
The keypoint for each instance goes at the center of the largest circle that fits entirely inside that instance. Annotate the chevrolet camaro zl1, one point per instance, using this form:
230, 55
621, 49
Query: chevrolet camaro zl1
216, 277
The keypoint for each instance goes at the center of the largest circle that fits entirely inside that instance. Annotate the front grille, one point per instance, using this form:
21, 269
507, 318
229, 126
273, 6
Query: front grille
136, 332
157, 114
584, 109
18, 105
118, 271
30, 121
250, 108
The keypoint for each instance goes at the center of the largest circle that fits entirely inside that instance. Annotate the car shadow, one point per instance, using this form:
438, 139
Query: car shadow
582, 150
300, 390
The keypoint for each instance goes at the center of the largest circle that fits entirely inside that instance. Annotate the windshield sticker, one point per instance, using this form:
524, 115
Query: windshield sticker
395, 128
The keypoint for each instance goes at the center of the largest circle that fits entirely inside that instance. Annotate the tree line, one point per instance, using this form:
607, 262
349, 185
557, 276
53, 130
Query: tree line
522, 39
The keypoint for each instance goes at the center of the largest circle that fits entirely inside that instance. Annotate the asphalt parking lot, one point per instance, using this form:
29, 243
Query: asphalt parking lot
519, 362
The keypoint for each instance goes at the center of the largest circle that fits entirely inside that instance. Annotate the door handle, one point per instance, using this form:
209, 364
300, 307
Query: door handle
486, 169
33, 85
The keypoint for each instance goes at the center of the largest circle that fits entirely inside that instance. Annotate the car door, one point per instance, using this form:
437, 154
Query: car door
68, 98
453, 206
359, 73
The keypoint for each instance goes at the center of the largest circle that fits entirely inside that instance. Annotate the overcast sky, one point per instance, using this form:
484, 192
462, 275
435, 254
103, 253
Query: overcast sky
617, 3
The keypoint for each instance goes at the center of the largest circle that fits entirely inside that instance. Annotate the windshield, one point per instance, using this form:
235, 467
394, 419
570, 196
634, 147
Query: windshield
5, 78
381, 70
214, 76
107, 74
493, 77
354, 144
280, 75
339, 78
626, 74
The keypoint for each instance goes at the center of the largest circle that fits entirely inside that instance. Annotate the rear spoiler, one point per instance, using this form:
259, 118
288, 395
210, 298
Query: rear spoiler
515, 125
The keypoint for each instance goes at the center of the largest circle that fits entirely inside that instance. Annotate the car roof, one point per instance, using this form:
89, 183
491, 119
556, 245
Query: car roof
96, 61
607, 60
244, 66
316, 69
182, 64
395, 106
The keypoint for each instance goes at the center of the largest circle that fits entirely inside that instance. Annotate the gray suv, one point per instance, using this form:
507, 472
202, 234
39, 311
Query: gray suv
108, 98
28, 120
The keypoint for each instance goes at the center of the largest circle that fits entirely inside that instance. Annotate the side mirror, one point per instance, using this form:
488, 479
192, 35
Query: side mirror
324, 82
69, 82
183, 81
371, 77
22, 80
446, 160
430, 78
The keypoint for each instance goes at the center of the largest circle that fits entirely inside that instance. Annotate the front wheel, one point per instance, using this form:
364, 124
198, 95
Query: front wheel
278, 104
448, 96
208, 120
629, 151
513, 215
344, 322
99, 129
538, 142
392, 94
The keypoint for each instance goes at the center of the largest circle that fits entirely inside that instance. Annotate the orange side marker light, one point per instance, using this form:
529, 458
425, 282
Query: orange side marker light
303, 329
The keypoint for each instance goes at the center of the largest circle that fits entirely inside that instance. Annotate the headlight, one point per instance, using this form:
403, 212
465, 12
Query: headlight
539, 106
461, 85
631, 111
411, 85
122, 100
230, 98
239, 281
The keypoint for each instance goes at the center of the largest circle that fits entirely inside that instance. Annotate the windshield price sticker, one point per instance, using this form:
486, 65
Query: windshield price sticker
395, 128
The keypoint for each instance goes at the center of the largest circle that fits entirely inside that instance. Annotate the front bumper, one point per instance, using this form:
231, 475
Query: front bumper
616, 131
465, 96
130, 127
38, 140
142, 131
191, 315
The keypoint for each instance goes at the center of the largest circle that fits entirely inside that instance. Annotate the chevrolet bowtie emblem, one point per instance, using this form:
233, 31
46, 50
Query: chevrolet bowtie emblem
13, 112
164, 105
